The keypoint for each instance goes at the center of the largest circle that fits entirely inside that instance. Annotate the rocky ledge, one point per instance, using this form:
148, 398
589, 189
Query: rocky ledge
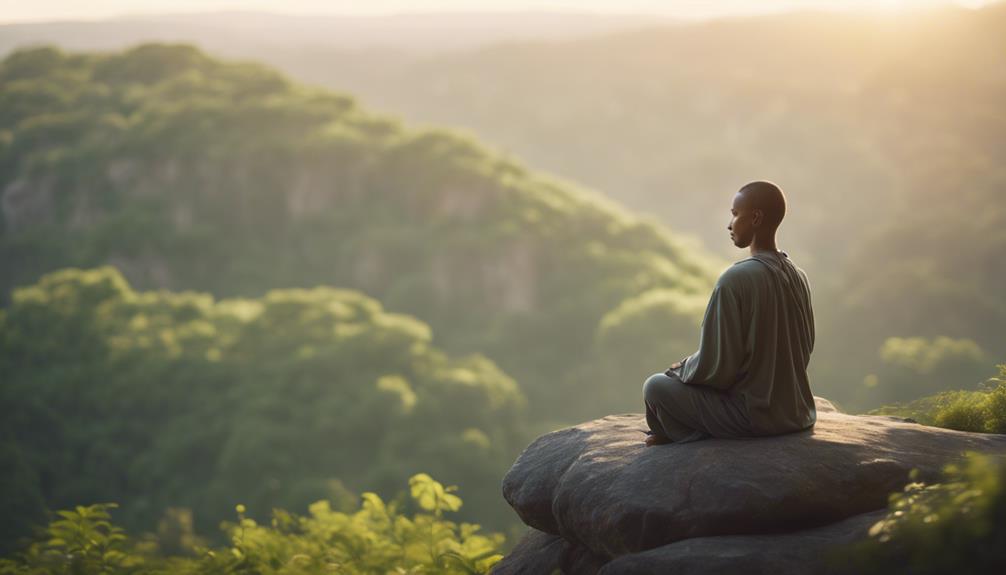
599, 501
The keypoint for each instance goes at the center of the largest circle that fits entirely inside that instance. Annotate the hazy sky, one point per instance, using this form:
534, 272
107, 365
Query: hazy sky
22, 10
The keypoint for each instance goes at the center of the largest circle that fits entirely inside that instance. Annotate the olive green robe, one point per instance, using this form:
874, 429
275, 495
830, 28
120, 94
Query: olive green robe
756, 341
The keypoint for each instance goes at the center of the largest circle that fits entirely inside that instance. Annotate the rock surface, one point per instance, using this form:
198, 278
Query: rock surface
797, 553
544, 554
603, 492
814, 550
537, 553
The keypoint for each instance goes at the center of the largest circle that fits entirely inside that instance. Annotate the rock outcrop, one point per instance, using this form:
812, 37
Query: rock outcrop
600, 501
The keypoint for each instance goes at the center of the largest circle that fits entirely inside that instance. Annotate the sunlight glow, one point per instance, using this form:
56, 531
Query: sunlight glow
19, 10
890, 5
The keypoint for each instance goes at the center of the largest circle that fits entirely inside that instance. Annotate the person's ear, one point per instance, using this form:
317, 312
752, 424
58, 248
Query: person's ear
757, 217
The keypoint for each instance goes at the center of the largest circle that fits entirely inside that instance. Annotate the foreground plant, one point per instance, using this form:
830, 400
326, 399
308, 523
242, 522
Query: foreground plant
955, 526
375, 538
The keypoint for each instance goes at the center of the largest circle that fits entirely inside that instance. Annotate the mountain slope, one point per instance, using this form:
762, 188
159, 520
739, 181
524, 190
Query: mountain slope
189, 173
886, 131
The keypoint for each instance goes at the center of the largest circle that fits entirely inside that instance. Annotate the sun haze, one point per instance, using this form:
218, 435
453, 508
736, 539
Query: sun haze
18, 10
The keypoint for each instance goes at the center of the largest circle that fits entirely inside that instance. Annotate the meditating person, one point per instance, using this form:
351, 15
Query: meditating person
749, 375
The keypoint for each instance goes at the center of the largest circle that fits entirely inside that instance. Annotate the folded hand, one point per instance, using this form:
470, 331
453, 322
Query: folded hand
674, 366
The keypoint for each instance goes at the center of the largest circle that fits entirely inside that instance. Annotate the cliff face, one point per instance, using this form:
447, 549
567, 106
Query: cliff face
600, 501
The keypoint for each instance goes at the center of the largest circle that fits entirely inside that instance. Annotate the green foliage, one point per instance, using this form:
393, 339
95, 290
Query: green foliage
160, 399
82, 541
375, 537
959, 524
432, 496
193, 174
187, 173
980, 411
955, 526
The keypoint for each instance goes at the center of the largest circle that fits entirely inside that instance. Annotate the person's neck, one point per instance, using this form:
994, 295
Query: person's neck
761, 246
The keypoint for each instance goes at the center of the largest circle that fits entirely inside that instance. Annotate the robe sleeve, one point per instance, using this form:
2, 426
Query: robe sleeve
718, 361
810, 312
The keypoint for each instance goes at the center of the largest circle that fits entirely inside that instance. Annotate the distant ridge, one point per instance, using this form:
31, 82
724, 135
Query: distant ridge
240, 32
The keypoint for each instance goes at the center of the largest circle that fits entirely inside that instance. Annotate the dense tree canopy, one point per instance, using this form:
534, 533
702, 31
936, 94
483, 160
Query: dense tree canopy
188, 173
158, 399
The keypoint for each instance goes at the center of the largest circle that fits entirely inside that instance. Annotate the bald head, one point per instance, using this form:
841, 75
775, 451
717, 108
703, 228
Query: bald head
768, 198
758, 209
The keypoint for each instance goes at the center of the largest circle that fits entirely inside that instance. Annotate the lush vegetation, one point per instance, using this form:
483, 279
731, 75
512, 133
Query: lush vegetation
982, 411
955, 526
372, 537
158, 400
188, 173
267, 377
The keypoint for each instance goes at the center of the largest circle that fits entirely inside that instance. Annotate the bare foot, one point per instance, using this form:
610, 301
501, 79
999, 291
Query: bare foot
656, 440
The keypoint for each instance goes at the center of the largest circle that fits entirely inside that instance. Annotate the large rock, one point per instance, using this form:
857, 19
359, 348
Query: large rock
598, 487
818, 550
544, 554
536, 554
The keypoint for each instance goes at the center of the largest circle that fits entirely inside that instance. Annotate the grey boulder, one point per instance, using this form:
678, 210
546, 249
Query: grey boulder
820, 551
601, 490
540, 553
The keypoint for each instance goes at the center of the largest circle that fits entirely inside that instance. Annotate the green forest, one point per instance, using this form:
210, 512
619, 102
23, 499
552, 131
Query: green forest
158, 399
189, 173
249, 324
339, 286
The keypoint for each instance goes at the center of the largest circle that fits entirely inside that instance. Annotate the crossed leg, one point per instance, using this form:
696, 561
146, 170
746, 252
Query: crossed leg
680, 413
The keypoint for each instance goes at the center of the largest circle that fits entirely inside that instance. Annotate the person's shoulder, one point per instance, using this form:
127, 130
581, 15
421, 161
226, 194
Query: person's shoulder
802, 273
740, 273
744, 268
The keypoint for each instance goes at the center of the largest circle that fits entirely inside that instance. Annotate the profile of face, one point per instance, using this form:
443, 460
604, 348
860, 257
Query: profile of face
744, 222
757, 211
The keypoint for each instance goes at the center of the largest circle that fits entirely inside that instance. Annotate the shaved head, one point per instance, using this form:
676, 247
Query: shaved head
757, 211
768, 198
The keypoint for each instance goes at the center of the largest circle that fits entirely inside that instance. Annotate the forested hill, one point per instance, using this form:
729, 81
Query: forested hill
185, 172
886, 130
678, 112
157, 400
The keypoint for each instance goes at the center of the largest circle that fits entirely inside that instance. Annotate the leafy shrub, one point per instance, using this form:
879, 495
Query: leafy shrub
82, 541
377, 537
956, 526
980, 411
